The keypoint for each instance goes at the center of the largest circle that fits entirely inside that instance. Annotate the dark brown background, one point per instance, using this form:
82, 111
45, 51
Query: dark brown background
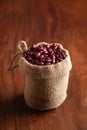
62, 21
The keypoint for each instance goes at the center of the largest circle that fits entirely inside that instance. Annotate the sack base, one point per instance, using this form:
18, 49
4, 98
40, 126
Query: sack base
41, 106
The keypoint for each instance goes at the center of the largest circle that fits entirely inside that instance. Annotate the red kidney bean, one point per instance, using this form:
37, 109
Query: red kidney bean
53, 61
59, 59
50, 50
37, 54
41, 63
29, 58
47, 63
41, 56
54, 46
48, 59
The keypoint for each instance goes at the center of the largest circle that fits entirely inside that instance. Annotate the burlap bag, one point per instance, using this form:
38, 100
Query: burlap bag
46, 86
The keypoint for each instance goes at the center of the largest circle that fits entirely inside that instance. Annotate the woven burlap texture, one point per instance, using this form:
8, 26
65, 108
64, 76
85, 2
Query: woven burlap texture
46, 86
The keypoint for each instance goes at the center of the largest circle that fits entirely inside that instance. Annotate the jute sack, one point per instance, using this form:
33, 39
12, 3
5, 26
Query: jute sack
46, 86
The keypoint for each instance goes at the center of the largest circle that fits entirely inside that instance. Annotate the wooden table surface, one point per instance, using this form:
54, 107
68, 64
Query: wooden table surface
50, 21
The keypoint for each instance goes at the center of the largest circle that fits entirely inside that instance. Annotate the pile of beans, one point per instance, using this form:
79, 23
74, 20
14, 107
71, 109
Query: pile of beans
44, 54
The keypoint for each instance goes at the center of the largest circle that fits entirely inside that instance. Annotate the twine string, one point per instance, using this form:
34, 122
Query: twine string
10, 68
21, 49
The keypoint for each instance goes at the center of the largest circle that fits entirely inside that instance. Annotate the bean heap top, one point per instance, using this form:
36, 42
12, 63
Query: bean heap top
45, 54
